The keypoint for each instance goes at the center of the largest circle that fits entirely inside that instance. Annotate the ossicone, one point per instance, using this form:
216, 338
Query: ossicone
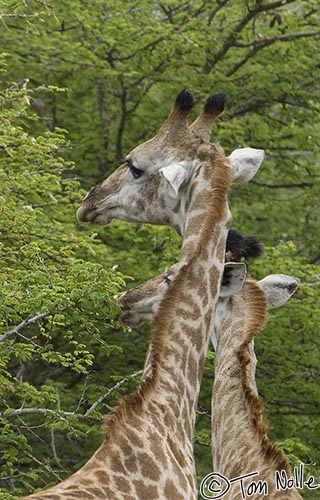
215, 104
184, 100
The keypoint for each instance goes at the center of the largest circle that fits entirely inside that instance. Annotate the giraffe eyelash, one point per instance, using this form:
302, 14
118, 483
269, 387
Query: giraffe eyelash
136, 172
167, 276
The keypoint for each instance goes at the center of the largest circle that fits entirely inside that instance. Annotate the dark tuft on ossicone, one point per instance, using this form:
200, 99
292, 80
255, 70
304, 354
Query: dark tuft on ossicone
253, 247
215, 103
184, 100
238, 246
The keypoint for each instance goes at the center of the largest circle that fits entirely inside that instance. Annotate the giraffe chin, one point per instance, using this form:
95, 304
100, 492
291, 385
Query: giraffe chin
101, 219
128, 320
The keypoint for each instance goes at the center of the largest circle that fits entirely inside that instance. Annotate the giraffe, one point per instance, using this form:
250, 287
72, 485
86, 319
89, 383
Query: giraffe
239, 432
240, 443
148, 448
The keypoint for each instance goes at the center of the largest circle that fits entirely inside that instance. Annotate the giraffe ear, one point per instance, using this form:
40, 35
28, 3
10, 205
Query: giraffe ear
176, 175
234, 276
278, 288
245, 163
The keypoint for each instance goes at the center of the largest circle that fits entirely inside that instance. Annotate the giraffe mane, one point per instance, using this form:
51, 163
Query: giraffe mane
220, 182
160, 324
134, 402
255, 297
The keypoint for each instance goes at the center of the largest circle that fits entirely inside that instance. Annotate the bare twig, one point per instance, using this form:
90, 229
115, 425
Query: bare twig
53, 447
22, 16
315, 283
63, 415
284, 185
30, 411
24, 323
110, 391
43, 465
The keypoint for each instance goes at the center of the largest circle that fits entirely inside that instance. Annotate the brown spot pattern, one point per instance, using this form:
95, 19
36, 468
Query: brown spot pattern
145, 491
171, 491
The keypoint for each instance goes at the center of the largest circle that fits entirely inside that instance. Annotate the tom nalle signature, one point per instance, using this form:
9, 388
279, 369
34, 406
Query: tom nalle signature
215, 485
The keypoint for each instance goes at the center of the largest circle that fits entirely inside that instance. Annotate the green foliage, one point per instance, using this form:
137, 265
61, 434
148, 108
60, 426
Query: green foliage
56, 305
83, 83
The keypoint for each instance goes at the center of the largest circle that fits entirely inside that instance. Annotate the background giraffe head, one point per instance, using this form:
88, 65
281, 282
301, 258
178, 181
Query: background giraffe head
140, 303
154, 183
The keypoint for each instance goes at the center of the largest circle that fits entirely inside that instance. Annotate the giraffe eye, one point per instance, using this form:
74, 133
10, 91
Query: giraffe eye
167, 278
136, 172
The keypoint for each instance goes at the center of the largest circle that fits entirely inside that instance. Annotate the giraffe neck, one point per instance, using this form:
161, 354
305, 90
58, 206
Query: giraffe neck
184, 321
205, 207
239, 431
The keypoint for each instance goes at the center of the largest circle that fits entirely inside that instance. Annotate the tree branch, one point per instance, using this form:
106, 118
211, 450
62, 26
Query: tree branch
284, 185
41, 411
110, 391
295, 407
122, 120
65, 414
250, 106
229, 42
25, 322
21, 16
315, 283
265, 42
43, 465
220, 5
105, 119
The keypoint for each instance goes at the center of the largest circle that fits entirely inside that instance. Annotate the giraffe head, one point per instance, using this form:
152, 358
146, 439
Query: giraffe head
153, 184
140, 303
